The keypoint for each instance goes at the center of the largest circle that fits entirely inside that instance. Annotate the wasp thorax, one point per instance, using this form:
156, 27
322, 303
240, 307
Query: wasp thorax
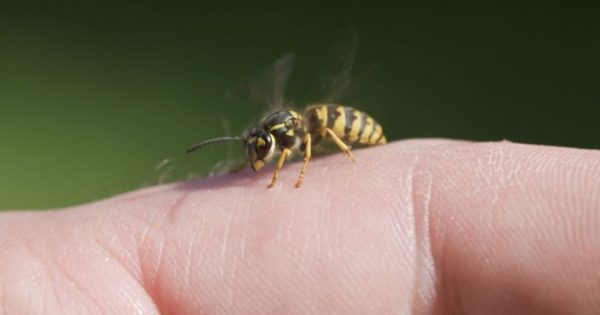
260, 146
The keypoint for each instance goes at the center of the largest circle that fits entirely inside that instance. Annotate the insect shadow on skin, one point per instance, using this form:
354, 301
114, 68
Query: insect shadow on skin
285, 131
327, 165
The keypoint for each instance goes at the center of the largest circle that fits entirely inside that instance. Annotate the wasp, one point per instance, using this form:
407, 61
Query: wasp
286, 131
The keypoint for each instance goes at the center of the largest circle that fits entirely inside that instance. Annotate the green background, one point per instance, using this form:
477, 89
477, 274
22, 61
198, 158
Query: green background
94, 95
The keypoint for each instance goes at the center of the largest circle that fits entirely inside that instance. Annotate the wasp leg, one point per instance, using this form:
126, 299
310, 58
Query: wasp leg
284, 155
340, 144
307, 155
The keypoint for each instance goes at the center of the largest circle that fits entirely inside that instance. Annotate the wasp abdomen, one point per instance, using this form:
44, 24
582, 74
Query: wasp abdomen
351, 125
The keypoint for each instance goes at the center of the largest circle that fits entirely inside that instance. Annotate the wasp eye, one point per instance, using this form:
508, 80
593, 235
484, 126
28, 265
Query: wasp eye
263, 146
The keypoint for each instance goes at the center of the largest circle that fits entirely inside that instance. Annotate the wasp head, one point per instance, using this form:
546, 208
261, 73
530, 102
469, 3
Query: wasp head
260, 146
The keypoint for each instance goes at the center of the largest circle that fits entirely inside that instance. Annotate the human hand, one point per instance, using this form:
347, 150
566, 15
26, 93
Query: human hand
418, 226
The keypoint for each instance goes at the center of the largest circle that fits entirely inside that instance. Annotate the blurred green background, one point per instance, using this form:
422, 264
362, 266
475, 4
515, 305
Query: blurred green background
94, 95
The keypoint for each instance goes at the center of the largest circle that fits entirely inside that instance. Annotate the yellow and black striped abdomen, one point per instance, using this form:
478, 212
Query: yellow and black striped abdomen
351, 125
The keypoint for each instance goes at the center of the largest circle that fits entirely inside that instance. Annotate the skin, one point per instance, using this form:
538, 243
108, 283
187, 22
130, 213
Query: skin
413, 227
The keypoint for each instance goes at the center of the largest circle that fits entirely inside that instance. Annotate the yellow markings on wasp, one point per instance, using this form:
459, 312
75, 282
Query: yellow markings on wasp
260, 142
364, 137
278, 126
296, 115
339, 124
290, 133
258, 164
383, 140
321, 112
375, 134
355, 128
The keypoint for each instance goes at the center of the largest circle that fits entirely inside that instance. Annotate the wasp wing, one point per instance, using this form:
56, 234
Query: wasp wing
338, 77
268, 87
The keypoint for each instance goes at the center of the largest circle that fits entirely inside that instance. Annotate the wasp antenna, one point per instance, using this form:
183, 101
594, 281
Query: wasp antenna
206, 143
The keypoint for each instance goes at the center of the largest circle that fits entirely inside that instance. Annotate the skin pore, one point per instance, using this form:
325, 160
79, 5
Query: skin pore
413, 227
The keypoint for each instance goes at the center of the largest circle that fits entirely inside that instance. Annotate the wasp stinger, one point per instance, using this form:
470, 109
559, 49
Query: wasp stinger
286, 131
